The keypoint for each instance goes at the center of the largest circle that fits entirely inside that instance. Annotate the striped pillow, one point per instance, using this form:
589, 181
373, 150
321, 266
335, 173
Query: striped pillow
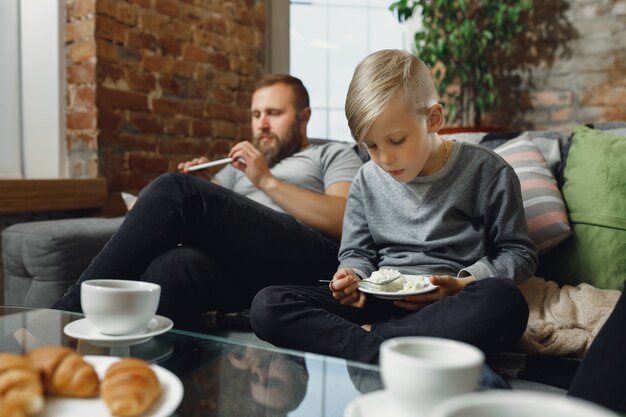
544, 208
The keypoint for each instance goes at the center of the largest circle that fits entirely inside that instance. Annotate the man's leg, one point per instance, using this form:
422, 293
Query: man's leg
490, 314
310, 319
601, 377
193, 283
253, 243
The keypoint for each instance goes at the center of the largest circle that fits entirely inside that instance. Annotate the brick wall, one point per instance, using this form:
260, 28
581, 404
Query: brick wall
81, 88
576, 68
155, 82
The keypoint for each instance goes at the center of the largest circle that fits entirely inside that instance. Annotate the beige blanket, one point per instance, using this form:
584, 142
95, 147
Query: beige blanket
564, 321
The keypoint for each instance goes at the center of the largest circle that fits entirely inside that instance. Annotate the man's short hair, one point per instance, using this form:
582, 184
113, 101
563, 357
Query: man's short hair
379, 78
300, 93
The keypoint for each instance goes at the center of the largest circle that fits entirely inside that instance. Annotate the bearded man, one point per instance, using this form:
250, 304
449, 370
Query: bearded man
272, 217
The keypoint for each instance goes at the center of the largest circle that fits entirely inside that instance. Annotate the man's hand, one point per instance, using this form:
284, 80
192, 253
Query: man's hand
321, 211
255, 166
447, 286
345, 288
184, 167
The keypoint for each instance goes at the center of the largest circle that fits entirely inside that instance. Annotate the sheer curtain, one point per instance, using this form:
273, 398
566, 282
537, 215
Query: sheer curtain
32, 89
10, 129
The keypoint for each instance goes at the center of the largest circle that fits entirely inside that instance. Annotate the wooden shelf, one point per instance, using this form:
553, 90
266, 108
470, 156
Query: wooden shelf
19, 196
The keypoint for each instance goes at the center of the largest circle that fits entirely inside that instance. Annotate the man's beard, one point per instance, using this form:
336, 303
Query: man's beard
278, 149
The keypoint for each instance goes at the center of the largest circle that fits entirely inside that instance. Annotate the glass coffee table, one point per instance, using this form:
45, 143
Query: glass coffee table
221, 377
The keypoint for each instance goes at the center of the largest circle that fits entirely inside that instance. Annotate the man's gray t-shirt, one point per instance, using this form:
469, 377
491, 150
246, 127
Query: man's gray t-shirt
465, 219
314, 168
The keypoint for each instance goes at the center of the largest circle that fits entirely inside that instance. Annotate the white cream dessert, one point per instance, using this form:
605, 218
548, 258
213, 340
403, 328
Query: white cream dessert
401, 284
383, 275
415, 285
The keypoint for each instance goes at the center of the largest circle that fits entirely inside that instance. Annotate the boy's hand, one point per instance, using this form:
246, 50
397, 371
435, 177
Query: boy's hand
447, 286
345, 288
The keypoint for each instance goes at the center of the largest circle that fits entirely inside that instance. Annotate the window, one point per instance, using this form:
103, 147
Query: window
32, 140
328, 38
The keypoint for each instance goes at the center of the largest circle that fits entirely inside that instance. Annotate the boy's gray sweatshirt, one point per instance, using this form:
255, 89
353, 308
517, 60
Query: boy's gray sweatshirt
465, 219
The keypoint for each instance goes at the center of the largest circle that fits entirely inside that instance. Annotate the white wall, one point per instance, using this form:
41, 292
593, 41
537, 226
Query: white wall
10, 150
43, 87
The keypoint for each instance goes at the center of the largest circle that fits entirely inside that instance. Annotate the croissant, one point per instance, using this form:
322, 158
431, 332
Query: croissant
64, 372
20, 386
9, 409
129, 387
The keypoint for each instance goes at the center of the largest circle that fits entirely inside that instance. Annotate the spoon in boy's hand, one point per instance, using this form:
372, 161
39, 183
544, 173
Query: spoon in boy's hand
368, 280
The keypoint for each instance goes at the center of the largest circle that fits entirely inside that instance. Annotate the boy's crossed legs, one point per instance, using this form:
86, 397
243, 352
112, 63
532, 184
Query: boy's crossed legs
490, 314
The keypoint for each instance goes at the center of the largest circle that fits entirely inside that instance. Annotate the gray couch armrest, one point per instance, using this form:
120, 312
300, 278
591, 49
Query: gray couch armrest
41, 259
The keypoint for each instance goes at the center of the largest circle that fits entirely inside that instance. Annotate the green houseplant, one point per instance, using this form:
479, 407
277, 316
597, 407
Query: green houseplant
462, 40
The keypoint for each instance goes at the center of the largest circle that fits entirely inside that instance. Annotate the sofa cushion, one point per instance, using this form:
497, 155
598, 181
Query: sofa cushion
552, 145
595, 179
619, 132
41, 259
544, 208
594, 191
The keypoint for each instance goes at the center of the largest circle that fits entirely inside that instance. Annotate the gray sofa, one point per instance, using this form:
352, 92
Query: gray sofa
42, 258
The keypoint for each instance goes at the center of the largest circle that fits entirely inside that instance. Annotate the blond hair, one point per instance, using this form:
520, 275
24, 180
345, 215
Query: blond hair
379, 78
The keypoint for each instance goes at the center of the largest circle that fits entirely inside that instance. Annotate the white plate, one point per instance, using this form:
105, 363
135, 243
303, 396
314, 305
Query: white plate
171, 396
372, 289
82, 329
375, 404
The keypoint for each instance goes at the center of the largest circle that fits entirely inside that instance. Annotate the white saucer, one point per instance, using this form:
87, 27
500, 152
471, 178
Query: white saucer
171, 396
496, 403
82, 329
376, 404
387, 295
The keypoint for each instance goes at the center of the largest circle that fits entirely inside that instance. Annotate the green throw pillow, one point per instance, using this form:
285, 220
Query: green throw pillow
595, 194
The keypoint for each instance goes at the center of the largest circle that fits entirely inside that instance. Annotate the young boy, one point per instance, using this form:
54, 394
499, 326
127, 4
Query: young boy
422, 205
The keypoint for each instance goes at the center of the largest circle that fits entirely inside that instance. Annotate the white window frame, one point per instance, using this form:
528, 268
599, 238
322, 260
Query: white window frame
278, 35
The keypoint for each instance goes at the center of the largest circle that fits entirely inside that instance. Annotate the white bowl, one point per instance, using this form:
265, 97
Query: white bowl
119, 307
420, 372
518, 404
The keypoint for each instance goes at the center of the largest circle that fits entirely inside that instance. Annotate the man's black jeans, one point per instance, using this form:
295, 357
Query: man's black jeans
209, 249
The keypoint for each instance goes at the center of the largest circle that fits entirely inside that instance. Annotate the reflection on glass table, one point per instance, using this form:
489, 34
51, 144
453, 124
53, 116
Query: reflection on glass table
221, 377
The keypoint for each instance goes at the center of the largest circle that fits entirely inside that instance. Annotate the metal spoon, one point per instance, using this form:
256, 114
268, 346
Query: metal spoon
385, 282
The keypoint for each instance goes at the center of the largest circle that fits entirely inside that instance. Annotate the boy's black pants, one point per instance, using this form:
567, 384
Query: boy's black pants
490, 314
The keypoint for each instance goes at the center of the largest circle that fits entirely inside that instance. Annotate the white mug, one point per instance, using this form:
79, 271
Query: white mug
118, 307
535, 404
421, 372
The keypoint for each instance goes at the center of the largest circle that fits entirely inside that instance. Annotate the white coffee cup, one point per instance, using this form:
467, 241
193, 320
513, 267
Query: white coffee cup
518, 404
118, 307
421, 372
